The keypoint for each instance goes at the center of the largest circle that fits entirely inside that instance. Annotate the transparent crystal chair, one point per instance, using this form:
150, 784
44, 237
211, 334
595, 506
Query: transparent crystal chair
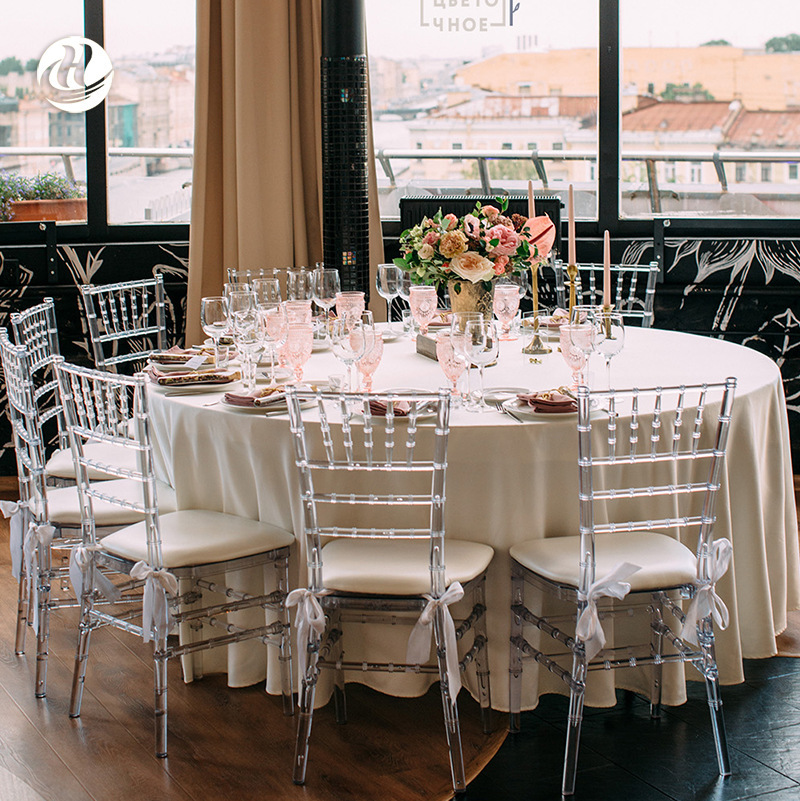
649, 464
633, 291
176, 558
36, 329
127, 322
372, 488
246, 276
47, 519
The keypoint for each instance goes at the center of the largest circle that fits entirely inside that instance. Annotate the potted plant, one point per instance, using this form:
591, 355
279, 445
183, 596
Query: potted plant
47, 196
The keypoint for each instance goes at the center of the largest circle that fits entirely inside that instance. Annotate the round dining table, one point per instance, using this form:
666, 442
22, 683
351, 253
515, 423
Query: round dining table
510, 479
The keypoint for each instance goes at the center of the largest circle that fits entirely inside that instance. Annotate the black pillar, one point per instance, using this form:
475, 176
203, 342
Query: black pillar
345, 187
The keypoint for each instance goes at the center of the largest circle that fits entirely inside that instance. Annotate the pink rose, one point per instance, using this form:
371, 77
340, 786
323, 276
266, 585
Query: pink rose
500, 265
452, 221
452, 243
472, 267
426, 252
490, 212
508, 240
472, 225
431, 238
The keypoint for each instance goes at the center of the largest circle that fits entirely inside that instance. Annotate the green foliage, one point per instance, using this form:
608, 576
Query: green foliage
31, 65
45, 186
10, 64
716, 43
783, 44
685, 92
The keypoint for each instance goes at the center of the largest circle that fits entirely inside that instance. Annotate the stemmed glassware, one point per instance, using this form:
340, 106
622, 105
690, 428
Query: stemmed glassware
453, 366
350, 336
276, 329
613, 340
267, 291
458, 330
423, 301
350, 304
248, 334
327, 286
505, 304
299, 284
483, 346
214, 319
574, 356
368, 363
388, 281
299, 344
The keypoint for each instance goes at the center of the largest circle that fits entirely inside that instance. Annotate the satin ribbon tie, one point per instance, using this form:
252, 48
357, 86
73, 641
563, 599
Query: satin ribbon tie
158, 584
79, 561
589, 629
14, 510
36, 536
309, 623
419, 643
706, 601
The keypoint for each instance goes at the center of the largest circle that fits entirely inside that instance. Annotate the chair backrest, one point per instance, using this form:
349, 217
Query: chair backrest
37, 331
246, 276
127, 321
633, 290
366, 471
105, 407
26, 427
650, 460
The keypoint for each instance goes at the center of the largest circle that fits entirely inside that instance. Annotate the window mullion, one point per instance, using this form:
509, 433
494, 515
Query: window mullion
96, 151
608, 198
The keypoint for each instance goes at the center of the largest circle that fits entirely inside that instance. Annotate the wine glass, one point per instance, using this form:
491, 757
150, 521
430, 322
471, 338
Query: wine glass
505, 304
573, 355
613, 328
299, 344
405, 285
326, 287
267, 290
452, 365
350, 304
458, 329
276, 329
387, 281
483, 345
368, 363
299, 284
214, 320
248, 334
423, 301
349, 343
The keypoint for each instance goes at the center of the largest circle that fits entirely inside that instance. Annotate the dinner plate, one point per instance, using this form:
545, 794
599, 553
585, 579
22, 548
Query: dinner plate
273, 408
494, 396
176, 367
391, 336
522, 409
192, 389
281, 373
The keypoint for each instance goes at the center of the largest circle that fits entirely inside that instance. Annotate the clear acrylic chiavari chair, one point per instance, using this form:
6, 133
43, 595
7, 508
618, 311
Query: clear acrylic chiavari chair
47, 520
127, 322
649, 467
372, 488
633, 289
177, 558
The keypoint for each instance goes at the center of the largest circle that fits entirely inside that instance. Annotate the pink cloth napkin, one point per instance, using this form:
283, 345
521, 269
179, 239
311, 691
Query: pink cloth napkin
551, 402
261, 397
192, 377
401, 408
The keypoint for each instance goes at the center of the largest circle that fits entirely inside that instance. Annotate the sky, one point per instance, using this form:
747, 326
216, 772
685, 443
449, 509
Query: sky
396, 29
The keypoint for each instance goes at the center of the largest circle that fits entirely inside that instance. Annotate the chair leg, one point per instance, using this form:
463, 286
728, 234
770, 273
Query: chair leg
705, 635
482, 657
656, 645
22, 615
81, 654
160, 692
515, 654
43, 633
452, 728
339, 692
285, 646
574, 721
305, 703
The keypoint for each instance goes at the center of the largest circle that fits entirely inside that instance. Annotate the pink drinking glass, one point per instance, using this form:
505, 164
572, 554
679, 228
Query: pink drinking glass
453, 366
299, 343
368, 363
573, 355
506, 305
298, 311
350, 304
423, 301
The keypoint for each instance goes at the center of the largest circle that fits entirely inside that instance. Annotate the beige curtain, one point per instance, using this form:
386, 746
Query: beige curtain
256, 193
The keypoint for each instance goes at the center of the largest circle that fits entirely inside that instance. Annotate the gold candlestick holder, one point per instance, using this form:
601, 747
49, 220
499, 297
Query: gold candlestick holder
572, 272
536, 347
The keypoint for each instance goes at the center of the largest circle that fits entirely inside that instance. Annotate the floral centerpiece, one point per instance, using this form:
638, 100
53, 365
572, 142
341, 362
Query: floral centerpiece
469, 254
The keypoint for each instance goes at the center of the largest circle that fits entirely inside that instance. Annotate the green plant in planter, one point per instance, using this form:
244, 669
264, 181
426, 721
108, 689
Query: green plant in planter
45, 186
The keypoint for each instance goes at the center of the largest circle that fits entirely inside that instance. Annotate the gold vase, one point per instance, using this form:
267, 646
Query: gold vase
466, 296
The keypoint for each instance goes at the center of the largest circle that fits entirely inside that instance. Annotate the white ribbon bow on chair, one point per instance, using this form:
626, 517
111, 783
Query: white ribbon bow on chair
79, 560
613, 585
155, 608
419, 643
706, 601
13, 510
35, 536
308, 617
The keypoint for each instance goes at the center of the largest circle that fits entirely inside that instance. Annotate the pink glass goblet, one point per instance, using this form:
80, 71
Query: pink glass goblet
368, 363
453, 366
298, 311
506, 305
299, 343
423, 301
573, 355
350, 304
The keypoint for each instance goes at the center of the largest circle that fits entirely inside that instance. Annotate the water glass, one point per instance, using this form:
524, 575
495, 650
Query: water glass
458, 329
267, 291
349, 343
387, 281
452, 365
573, 355
483, 345
613, 340
505, 304
350, 304
214, 320
423, 301
368, 363
248, 334
276, 329
299, 311
299, 284
327, 286
299, 344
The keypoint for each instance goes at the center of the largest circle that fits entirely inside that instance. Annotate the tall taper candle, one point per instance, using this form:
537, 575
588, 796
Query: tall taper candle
571, 226
606, 270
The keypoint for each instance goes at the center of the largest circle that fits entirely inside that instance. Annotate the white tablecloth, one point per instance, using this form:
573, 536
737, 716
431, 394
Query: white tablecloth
507, 482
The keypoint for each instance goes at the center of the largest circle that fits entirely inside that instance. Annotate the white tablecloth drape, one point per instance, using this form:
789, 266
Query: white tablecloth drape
507, 482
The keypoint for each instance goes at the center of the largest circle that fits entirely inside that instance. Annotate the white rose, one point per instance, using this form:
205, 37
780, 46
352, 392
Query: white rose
472, 267
426, 252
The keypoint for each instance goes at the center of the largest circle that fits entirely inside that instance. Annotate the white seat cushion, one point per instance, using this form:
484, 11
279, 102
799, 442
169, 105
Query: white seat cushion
195, 537
664, 561
60, 464
64, 508
397, 567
